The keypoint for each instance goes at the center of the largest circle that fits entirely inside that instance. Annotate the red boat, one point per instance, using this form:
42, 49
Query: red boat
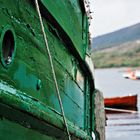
125, 102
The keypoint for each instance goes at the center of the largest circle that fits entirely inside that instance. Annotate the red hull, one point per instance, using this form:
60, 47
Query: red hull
125, 102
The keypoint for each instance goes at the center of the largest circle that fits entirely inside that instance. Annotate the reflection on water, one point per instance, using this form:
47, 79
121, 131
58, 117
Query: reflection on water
124, 126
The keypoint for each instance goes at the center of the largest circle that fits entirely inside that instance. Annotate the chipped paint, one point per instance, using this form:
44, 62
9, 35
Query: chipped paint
26, 86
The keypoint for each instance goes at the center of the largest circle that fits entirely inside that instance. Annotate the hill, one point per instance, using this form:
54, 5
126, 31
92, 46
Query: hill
116, 38
124, 55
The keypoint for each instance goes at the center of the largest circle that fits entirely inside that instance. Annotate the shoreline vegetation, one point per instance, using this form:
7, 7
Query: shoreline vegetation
124, 55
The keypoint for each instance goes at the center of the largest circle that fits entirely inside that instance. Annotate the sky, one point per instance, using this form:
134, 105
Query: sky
111, 15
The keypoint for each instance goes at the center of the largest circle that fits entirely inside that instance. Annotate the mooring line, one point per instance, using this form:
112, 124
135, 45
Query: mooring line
120, 110
52, 67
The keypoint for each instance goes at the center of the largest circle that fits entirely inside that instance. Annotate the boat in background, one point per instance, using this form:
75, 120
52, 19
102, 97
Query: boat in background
125, 102
131, 74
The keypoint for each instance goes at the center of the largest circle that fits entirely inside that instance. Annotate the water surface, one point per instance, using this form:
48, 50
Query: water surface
123, 126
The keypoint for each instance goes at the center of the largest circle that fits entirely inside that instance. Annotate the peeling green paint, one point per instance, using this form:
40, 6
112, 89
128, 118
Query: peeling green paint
26, 80
30, 70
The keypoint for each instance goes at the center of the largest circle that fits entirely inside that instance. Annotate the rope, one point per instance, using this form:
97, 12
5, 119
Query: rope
52, 68
120, 110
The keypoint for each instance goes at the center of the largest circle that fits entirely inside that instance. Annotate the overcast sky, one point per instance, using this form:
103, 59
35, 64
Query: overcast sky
111, 15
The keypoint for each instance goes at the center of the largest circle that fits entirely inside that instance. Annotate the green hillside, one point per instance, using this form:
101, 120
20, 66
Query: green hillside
127, 54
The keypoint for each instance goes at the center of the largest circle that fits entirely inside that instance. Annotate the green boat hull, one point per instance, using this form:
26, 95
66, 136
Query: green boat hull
29, 106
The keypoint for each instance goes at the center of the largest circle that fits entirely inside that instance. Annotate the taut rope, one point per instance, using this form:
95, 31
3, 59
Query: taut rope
52, 67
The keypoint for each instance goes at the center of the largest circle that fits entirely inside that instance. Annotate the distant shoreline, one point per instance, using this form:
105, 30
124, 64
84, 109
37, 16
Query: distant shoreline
125, 55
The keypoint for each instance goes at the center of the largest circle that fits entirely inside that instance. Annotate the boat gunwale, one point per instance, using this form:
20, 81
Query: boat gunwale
29, 105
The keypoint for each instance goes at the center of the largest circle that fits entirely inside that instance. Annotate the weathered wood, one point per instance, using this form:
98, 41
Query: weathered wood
99, 115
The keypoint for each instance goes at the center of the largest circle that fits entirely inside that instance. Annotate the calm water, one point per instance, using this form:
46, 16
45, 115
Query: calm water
111, 83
